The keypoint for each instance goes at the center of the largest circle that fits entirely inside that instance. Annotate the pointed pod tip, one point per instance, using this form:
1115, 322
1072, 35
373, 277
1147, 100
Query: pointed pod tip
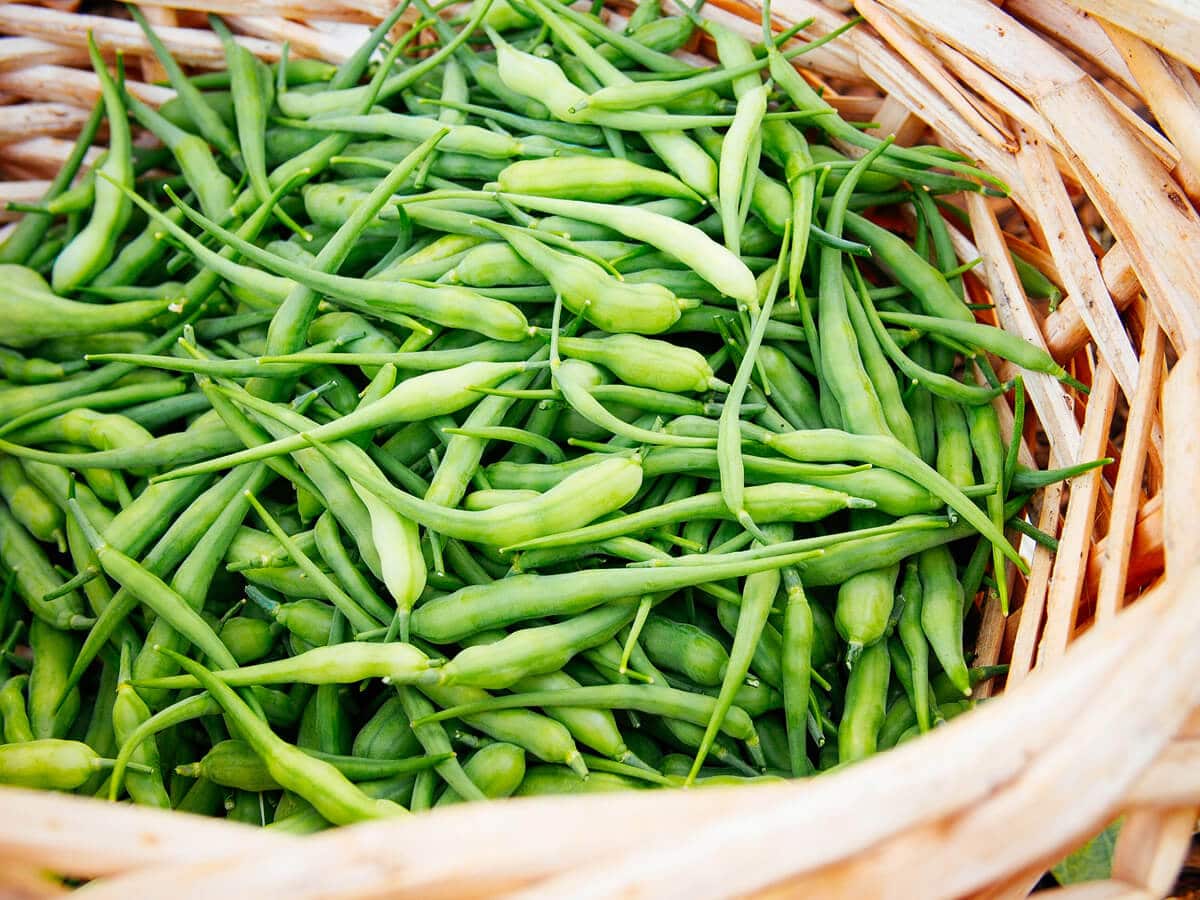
576, 764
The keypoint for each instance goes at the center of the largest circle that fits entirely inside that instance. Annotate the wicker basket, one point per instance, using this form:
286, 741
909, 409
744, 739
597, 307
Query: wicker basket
1057, 103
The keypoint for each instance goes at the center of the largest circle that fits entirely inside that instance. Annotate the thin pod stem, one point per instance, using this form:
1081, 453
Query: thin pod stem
729, 440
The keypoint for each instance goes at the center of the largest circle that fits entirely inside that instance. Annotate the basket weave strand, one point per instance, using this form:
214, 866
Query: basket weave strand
1099, 713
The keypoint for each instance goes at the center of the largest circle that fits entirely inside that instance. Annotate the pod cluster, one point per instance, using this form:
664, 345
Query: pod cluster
515, 408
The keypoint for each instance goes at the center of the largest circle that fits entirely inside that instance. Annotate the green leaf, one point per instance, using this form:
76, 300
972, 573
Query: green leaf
1092, 861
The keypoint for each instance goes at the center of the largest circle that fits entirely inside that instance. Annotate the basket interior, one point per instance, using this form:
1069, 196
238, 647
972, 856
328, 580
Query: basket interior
1083, 118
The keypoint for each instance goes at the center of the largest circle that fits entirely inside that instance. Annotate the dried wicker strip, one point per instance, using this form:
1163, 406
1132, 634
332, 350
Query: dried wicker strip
1033, 603
44, 155
302, 40
1065, 330
1166, 152
20, 52
1070, 562
989, 642
81, 838
20, 192
1127, 490
32, 119
1049, 398
1147, 554
152, 70
1170, 25
190, 45
994, 91
1173, 778
1151, 847
900, 80
1015, 887
311, 10
1152, 844
1147, 214
1074, 261
919, 56
18, 881
897, 120
1169, 100
1181, 399
835, 60
59, 83
1072, 28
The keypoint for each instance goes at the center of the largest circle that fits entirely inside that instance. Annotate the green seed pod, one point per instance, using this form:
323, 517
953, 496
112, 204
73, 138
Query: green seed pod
30, 312
387, 734
249, 639
685, 649
604, 180
50, 764
498, 769
28, 504
644, 362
